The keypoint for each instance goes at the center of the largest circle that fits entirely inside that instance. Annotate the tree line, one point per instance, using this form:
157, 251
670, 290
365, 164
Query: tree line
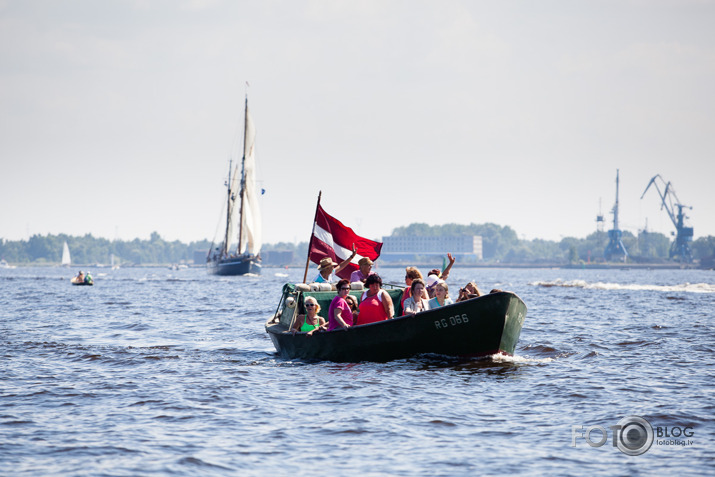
87, 249
500, 244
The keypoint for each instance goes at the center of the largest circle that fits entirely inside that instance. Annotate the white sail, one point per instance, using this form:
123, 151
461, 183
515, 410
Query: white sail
233, 210
66, 260
251, 232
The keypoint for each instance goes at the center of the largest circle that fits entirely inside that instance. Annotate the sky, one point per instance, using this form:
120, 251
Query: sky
119, 118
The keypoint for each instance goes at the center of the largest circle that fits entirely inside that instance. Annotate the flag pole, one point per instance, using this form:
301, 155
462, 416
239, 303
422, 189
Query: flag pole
312, 234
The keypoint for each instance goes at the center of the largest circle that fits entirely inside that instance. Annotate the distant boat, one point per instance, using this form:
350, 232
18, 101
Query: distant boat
244, 213
4, 264
115, 266
82, 279
66, 260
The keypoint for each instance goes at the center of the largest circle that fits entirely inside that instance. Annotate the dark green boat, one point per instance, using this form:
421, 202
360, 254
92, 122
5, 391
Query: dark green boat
481, 326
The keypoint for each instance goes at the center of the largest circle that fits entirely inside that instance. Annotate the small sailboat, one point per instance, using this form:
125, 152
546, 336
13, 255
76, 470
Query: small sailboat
66, 259
242, 212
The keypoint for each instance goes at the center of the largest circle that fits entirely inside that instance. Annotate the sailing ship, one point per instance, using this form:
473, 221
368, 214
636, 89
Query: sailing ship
66, 260
242, 212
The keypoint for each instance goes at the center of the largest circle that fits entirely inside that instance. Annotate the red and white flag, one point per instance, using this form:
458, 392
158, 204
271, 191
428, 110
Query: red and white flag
333, 239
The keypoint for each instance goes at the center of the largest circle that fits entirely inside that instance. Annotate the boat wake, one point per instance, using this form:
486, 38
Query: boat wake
502, 358
684, 287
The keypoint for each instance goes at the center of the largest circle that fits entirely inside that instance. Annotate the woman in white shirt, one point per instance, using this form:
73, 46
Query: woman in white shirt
415, 303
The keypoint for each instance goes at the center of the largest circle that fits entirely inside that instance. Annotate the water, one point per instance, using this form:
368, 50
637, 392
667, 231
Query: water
161, 372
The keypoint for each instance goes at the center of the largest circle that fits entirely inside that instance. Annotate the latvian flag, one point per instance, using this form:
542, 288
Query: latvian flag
333, 239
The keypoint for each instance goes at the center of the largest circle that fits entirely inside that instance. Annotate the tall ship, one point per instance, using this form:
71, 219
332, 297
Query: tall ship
239, 251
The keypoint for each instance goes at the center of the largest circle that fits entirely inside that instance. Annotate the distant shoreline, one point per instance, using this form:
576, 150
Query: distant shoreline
585, 266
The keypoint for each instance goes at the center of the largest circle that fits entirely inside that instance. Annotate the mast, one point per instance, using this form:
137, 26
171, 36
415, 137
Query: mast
228, 210
615, 207
312, 234
243, 178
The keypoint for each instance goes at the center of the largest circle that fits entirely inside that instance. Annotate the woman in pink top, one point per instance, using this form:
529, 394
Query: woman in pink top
376, 304
339, 313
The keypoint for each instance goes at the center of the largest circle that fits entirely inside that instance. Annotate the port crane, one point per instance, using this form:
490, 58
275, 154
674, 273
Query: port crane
680, 248
615, 247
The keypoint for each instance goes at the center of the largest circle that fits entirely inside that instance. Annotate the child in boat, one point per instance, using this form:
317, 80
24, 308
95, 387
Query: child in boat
441, 295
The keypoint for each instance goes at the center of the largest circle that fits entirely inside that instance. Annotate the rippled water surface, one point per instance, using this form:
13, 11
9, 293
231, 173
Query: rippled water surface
161, 372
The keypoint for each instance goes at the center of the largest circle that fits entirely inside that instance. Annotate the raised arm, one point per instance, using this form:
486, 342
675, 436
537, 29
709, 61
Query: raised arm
445, 273
345, 262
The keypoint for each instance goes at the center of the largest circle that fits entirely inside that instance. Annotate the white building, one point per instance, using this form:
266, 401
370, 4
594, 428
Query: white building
408, 248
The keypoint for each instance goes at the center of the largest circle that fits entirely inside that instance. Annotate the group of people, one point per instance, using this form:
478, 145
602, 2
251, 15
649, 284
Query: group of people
345, 311
83, 277
375, 303
327, 269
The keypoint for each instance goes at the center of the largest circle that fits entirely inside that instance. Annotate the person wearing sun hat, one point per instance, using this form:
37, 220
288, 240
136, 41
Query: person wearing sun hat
327, 268
365, 270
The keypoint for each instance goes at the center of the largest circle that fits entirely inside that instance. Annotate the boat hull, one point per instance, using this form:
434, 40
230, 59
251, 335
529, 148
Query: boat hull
235, 266
481, 326
78, 283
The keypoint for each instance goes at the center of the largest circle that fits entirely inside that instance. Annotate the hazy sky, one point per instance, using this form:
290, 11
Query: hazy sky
118, 118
